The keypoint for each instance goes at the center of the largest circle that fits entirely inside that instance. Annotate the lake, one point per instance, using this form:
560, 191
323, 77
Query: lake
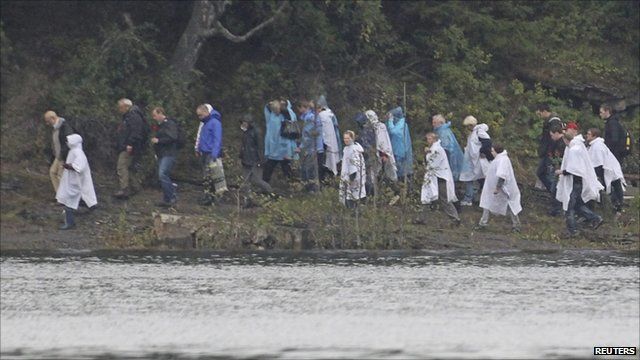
382, 305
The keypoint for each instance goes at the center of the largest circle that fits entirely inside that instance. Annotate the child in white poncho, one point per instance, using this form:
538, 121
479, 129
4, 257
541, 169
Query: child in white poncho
76, 182
500, 194
607, 167
353, 172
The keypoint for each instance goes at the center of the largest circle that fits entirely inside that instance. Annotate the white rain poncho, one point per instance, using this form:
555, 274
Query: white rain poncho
509, 194
352, 163
383, 142
600, 155
437, 167
576, 162
332, 151
475, 167
76, 184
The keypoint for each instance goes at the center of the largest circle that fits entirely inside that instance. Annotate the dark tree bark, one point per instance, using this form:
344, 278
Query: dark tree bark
203, 24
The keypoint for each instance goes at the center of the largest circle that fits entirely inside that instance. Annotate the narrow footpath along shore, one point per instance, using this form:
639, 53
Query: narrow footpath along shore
30, 222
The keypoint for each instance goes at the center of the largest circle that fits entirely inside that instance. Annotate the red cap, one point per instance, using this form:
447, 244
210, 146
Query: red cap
573, 125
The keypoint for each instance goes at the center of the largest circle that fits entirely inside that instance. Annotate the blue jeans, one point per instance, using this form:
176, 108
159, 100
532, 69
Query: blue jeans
546, 174
470, 190
577, 206
165, 164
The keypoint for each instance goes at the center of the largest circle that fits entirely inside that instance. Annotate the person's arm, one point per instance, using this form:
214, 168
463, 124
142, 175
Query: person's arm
169, 133
133, 129
499, 185
217, 139
260, 143
600, 173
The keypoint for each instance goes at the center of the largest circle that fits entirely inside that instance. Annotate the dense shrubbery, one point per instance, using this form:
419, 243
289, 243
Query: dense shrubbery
491, 59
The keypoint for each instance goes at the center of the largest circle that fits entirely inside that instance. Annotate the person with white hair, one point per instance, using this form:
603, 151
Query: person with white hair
61, 129
353, 172
477, 155
210, 148
132, 136
76, 183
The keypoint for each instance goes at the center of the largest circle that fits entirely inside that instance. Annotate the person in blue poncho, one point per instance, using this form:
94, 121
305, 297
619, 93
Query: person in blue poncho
278, 149
400, 143
449, 143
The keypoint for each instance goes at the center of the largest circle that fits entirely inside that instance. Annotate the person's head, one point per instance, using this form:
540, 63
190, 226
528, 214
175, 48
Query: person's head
158, 114
348, 137
431, 138
303, 106
124, 105
556, 131
470, 122
275, 106
437, 121
202, 111
496, 149
572, 128
605, 111
592, 134
50, 118
543, 110
246, 122
371, 116
567, 137
360, 119
396, 113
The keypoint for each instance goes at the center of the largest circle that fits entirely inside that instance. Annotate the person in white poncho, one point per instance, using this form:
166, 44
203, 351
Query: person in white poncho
607, 167
76, 182
500, 194
353, 172
330, 138
578, 183
438, 179
477, 155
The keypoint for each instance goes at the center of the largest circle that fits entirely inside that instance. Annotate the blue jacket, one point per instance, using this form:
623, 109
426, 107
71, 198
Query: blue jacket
401, 143
275, 146
211, 135
311, 133
453, 149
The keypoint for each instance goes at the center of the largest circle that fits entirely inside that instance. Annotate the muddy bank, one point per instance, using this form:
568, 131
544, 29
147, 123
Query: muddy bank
30, 218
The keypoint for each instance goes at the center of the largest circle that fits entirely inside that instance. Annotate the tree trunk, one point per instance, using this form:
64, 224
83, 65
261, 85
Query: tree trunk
188, 50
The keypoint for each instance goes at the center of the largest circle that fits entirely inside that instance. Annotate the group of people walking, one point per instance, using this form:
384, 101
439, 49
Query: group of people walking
379, 154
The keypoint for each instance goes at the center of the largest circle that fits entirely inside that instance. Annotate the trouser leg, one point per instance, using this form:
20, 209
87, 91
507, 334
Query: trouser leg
269, 166
165, 165
542, 173
484, 220
447, 206
617, 195
256, 179
570, 214
515, 220
469, 191
124, 162
55, 173
285, 165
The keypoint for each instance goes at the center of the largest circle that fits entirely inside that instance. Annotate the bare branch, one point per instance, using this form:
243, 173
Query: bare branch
219, 28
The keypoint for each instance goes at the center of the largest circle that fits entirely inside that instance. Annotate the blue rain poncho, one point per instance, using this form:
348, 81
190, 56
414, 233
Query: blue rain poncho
277, 147
401, 142
454, 151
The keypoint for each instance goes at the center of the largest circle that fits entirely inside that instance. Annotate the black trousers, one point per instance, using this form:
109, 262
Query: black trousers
270, 165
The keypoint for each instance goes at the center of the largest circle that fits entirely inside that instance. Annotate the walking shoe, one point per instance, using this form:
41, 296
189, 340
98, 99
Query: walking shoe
456, 223
465, 203
515, 229
164, 204
206, 201
479, 227
554, 212
597, 222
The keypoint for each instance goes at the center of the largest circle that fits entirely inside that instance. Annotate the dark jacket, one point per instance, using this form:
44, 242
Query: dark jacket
615, 136
167, 135
547, 146
252, 148
132, 130
65, 130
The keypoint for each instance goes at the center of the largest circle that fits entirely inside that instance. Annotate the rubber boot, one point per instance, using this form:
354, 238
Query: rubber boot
69, 223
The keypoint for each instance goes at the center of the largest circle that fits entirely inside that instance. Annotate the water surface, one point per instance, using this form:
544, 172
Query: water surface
318, 305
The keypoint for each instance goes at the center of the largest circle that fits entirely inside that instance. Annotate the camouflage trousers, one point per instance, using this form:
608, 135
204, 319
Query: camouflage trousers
214, 181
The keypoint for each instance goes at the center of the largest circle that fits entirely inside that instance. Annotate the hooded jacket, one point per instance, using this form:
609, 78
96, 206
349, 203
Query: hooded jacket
211, 135
400, 137
133, 130
252, 147
76, 184
353, 174
454, 151
576, 163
